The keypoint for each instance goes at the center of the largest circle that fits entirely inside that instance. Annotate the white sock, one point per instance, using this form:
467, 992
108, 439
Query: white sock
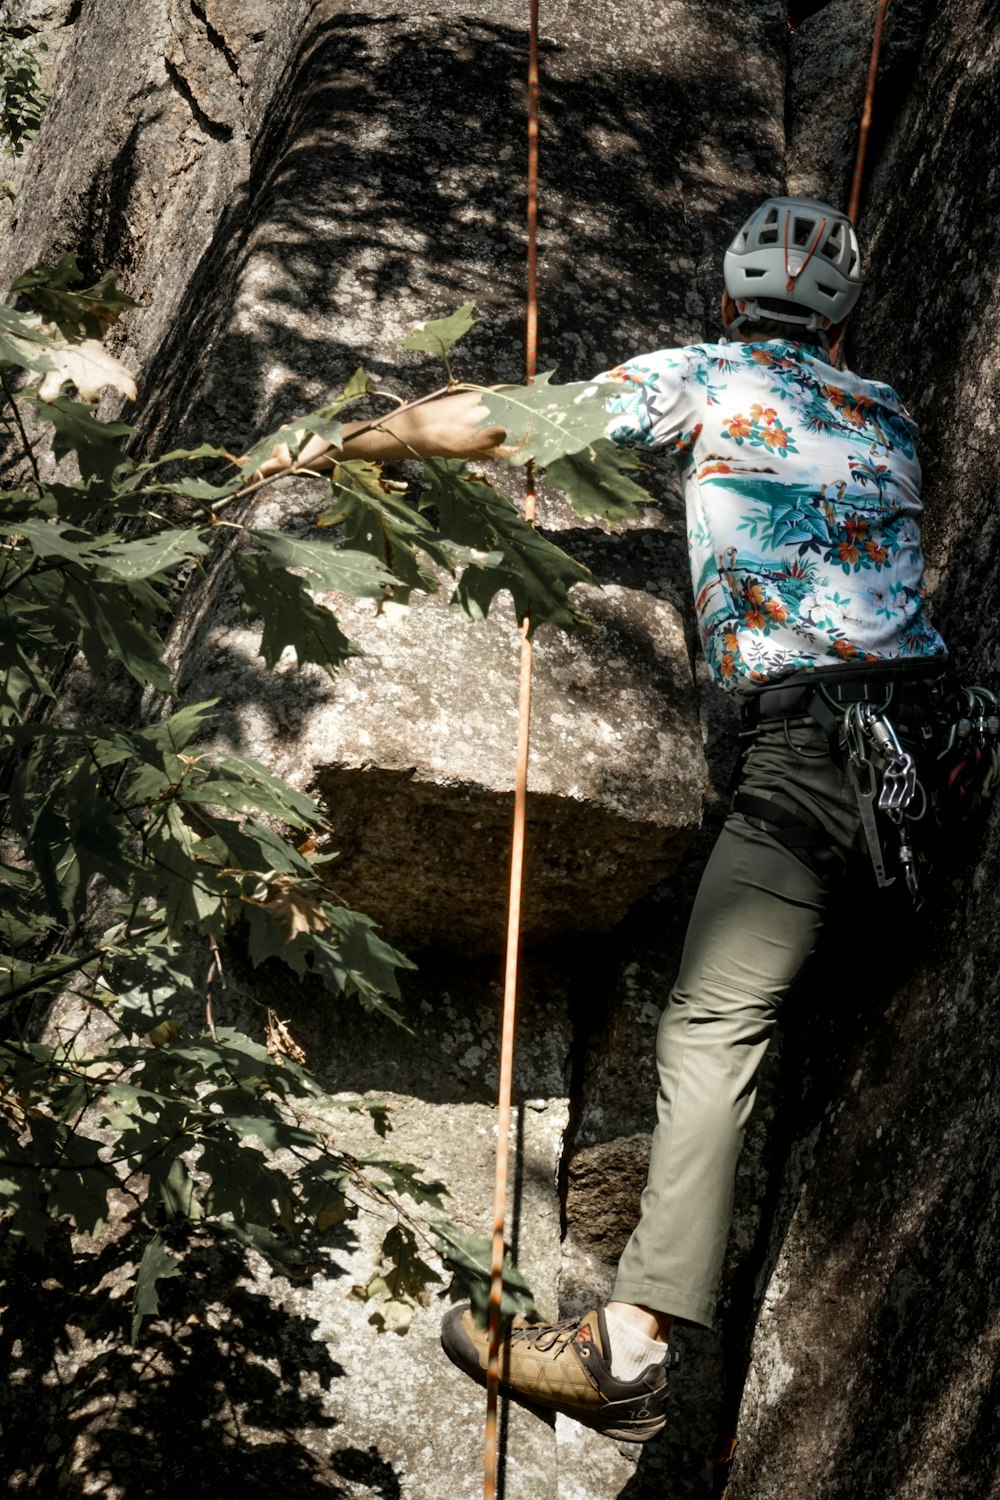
631, 1351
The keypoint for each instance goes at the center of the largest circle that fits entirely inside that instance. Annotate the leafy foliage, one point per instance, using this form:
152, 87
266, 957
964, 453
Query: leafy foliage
157, 1264
83, 314
470, 1260
22, 98
209, 1130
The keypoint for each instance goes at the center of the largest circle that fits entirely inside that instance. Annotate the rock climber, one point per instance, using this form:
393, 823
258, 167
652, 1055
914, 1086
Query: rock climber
802, 488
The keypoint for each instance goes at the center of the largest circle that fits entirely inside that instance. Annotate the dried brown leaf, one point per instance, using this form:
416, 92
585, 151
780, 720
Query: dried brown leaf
294, 909
279, 1040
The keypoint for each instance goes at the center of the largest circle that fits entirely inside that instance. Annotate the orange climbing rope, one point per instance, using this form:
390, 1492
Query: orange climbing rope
854, 205
520, 808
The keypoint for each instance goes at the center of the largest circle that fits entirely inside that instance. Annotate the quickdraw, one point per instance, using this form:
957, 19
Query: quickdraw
929, 782
970, 759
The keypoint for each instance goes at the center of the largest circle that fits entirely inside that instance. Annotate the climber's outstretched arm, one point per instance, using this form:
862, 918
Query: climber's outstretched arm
452, 427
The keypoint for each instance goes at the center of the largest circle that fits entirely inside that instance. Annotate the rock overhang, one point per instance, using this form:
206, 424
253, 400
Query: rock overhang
411, 750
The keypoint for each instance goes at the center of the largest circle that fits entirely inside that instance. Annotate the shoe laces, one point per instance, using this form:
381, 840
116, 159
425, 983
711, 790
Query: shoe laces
548, 1336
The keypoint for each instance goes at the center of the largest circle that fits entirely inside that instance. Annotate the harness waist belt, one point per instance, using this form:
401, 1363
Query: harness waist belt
884, 683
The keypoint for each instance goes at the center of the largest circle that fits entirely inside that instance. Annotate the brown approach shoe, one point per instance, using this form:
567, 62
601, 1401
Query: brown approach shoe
564, 1367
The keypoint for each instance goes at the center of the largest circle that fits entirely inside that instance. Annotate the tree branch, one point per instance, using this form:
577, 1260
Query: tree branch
26, 443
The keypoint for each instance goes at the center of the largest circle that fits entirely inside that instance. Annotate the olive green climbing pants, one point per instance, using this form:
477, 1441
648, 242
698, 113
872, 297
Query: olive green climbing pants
755, 921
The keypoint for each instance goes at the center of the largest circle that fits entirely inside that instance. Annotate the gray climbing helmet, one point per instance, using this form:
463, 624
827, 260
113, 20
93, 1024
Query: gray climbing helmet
795, 260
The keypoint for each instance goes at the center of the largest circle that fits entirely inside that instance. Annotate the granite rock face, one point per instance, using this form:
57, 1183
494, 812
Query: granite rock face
412, 750
285, 188
363, 230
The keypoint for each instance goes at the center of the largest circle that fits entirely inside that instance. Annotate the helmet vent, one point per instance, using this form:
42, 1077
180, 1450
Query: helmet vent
768, 232
802, 232
833, 247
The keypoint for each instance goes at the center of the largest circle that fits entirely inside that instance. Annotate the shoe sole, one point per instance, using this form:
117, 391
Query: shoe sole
462, 1352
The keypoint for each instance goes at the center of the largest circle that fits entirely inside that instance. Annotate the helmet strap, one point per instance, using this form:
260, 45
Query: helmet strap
806, 335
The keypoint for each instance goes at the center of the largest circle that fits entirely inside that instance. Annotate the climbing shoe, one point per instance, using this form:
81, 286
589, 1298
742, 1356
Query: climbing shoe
564, 1367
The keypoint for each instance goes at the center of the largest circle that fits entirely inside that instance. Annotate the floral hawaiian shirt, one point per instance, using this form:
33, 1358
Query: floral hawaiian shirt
803, 491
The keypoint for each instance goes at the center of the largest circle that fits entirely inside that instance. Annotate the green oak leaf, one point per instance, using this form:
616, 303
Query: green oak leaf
326, 565
169, 1178
470, 1259
23, 341
364, 963
401, 1285
320, 423
276, 1248
150, 556
145, 557
544, 422
249, 846
157, 1264
108, 624
379, 521
596, 481
195, 489
78, 431
348, 954
294, 436
405, 1178
440, 334
203, 450
78, 1188
290, 615
86, 313
182, 874
22, 1204
242, 1183
323, 1191
244, 786
537, 574
142, 989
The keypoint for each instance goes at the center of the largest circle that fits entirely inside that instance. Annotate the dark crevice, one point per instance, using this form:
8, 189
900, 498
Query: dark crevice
581, 1036
801, 10
73, 13
216, 38
593, 984
210, 127
903, 50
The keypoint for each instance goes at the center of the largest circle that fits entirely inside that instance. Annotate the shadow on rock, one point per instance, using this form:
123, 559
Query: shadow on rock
226, 1393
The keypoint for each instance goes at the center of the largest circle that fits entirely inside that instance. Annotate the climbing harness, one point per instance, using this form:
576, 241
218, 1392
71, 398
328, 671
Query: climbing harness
922, 756
928, 779
884, 778
490, 1455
